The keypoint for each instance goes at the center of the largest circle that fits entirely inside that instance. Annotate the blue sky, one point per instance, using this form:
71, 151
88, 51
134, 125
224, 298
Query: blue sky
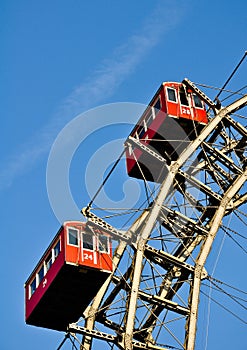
60, 58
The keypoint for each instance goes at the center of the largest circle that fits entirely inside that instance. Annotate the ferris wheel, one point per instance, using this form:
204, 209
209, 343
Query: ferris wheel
189, 153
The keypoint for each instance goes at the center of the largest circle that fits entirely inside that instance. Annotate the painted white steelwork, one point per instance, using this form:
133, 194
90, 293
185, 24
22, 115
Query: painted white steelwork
169, 243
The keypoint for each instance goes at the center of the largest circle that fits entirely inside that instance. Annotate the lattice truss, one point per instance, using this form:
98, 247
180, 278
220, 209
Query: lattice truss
150, 301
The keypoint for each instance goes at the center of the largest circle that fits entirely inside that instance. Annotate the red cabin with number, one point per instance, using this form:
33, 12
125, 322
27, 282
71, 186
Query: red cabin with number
173, 118
67, 277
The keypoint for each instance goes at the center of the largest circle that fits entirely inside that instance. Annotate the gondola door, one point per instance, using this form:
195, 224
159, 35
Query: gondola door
185, 104
89, 249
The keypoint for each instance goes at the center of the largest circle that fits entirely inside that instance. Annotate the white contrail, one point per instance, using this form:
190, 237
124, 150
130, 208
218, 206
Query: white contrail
96, 88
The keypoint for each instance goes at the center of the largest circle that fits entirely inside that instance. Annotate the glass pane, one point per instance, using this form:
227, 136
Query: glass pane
183, 98
88, 241
48, 262
157, 106
73, 237
171, 94
149, 118
41, 274
197, 101
57, 249
103, 243
32, 287
141, 131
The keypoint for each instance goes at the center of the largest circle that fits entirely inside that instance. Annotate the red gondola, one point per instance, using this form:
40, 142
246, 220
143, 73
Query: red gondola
67, 277
173, 118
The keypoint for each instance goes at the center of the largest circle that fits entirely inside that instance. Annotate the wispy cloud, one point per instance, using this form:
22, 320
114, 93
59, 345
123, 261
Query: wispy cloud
125, 58
99, 86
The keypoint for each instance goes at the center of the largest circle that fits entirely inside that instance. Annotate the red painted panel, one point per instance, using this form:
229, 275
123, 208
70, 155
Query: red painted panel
105, 262
163, 99
173, 109
69, 294
178, 112
150, 133
73, 254
90, 258
32, 302
200, 115
69, 284
86, 257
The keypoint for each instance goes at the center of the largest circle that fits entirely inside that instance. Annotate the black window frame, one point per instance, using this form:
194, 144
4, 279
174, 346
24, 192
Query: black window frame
101, 246
85, 242
40, 277
195, 97
70, 235
32, 289
156, 107
48, 262
168, 95
57, 251
183, 97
